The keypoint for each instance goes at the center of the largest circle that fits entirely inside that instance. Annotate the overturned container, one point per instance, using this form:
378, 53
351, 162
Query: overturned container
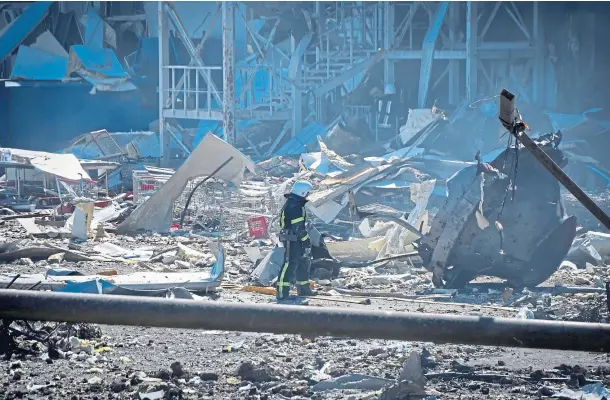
504, 219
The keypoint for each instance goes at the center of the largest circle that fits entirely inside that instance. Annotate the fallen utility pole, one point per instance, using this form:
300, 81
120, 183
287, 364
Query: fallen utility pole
316, 321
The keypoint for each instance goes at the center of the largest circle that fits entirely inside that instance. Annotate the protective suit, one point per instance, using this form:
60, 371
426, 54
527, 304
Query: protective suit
295, 238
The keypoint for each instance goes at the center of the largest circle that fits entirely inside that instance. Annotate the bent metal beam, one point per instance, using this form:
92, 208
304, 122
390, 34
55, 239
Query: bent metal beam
281, 319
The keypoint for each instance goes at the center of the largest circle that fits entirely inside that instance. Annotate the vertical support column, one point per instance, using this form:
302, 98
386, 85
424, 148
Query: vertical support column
388, 45
228, 70
163, 33
538, 73
454, 65
248, 16
471, 51
297, 96
427, 54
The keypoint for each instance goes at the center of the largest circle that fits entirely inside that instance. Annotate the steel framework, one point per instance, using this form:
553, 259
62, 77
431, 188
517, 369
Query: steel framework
456, 44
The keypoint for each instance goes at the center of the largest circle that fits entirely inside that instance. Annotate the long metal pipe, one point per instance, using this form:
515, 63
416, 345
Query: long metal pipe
284, 319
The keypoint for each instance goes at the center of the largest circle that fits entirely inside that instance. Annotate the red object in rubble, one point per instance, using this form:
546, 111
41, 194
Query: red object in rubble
66, 208
257, 226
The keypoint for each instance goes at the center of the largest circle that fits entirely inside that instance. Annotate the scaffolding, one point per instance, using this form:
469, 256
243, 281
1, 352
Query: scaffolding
464, 49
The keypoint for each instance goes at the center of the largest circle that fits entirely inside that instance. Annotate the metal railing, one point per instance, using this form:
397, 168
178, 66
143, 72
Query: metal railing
195, 97
196, 94
354, 42
273, 95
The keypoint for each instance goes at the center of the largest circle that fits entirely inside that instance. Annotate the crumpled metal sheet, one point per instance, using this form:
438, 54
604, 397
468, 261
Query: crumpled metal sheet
535, 234
156, 213
417, 120
136, 284
36, 64
594, 391
100, 67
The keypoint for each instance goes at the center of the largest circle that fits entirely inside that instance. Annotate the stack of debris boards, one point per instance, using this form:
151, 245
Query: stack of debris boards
137, 283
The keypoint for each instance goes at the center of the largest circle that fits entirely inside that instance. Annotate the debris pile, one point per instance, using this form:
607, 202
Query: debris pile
406, 225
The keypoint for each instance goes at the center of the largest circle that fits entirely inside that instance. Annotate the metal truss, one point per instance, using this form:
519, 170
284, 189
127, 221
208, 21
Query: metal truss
345, 41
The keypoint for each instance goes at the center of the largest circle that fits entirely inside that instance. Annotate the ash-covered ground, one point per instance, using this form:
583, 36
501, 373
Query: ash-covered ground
116, 362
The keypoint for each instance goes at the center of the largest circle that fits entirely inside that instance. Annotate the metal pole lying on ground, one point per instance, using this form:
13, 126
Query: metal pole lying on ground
283, 319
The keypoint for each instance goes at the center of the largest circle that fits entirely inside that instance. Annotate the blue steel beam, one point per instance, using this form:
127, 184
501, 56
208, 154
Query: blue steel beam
294, 74
471, 51
428, 52
163, 34
458, 54
538, 58
19, 30
348, 74
388, 44
228, 70
454, 66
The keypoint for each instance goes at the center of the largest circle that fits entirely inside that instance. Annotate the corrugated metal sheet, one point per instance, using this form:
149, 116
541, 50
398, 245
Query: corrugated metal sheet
306, 137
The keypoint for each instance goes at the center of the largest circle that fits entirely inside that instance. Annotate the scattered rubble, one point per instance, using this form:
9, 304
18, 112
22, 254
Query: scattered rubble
377, 222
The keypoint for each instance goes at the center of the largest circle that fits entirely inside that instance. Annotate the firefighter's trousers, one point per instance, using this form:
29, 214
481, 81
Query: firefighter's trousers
294, 270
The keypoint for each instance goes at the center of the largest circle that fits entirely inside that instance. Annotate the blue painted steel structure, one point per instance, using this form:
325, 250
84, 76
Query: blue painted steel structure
306, 137
328, 62
428, 52
18, 31
297, 79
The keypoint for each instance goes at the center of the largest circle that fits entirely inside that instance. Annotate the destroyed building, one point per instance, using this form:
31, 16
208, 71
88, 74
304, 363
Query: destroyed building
146, 149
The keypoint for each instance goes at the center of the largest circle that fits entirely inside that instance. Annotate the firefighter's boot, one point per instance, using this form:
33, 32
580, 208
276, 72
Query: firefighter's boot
304, 290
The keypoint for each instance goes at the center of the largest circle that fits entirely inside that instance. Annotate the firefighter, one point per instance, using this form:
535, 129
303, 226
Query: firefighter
295, 238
